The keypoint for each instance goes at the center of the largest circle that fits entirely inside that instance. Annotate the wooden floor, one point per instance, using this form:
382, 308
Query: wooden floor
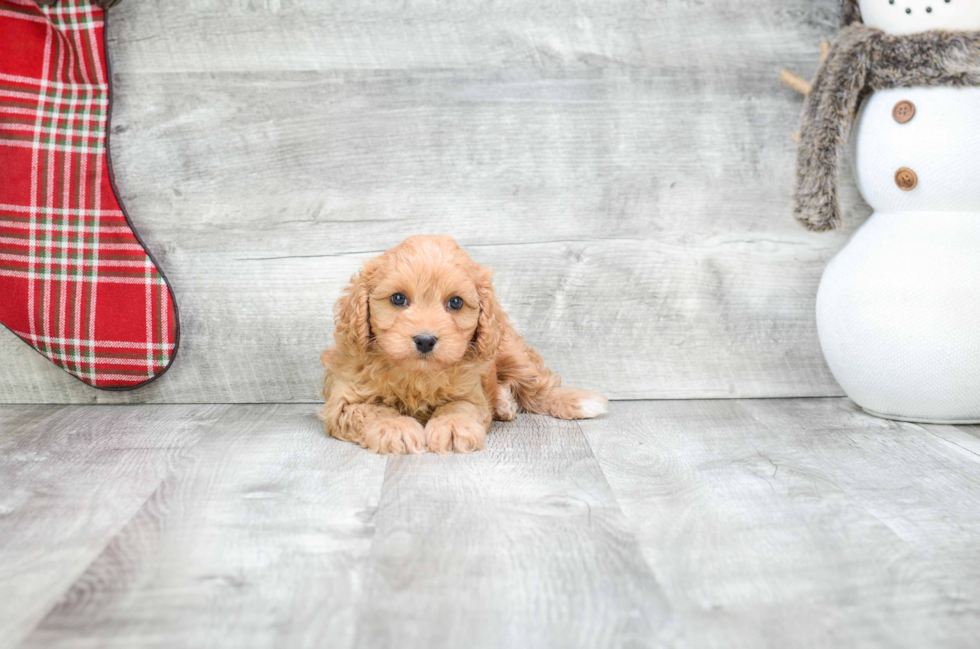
772, 523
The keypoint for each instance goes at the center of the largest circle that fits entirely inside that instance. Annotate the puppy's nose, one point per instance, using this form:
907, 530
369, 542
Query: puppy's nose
425, 343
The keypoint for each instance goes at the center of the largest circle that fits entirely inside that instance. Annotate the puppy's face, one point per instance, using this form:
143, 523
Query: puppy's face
423, 303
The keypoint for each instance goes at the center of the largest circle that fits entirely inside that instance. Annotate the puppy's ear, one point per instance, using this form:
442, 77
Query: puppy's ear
491, 315
351, 316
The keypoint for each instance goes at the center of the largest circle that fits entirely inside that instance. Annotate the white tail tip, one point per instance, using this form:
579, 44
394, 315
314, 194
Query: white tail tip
593, 407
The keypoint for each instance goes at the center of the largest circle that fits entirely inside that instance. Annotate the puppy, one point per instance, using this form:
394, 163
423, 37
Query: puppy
425, 358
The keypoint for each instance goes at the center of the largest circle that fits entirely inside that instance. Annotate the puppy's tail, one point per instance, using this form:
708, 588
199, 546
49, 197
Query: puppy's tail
539, 391
567, 403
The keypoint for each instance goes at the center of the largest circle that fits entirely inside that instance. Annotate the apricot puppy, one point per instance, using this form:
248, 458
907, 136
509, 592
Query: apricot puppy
425, 358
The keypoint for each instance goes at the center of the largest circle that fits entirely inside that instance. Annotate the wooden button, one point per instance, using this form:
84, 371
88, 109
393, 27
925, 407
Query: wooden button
903, 112
906, 179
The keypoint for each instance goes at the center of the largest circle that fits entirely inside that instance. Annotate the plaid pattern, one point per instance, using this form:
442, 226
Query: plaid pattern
75, 283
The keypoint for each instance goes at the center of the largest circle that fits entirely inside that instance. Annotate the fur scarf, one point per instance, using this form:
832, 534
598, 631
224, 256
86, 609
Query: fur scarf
850, 12
861, 61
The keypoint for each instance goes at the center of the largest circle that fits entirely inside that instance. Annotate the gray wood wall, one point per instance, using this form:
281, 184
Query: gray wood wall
624, 165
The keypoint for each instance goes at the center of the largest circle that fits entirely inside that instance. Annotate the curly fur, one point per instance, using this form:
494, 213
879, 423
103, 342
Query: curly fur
861, 61
383, 394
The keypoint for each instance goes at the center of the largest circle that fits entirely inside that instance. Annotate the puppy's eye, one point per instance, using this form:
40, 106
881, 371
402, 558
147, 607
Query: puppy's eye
455, 303
399, 299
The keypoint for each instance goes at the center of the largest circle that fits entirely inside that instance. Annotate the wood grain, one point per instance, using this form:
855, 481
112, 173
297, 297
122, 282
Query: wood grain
799, 523
255, 540
688, 524
70, 479
522, 545
625, 167
264, 35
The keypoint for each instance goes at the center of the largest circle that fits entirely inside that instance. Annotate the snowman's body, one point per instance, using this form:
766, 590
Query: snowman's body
898, 310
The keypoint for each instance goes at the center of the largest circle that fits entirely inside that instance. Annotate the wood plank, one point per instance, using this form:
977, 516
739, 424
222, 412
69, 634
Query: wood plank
221, 36
70, 479
634, 198
254, 541
799, 522
522, 545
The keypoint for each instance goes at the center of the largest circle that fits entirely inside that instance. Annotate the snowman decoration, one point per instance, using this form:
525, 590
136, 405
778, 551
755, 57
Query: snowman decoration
898, 309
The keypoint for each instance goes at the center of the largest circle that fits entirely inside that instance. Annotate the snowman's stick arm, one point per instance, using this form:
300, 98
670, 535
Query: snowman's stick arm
798, 83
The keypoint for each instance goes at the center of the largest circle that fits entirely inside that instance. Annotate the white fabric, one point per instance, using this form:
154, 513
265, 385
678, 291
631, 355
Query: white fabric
898, 310
911, 16
898, 313
941, 144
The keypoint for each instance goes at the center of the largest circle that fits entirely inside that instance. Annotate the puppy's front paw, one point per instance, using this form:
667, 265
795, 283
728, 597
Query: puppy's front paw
448, 433
395, 436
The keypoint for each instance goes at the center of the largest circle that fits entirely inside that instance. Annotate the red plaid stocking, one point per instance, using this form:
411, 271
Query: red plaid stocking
75, 281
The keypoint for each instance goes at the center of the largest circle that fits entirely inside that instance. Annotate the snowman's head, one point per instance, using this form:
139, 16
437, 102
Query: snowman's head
901, 17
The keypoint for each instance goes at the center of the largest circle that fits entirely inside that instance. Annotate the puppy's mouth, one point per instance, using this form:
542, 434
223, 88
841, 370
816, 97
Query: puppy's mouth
422, 361
426, 356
